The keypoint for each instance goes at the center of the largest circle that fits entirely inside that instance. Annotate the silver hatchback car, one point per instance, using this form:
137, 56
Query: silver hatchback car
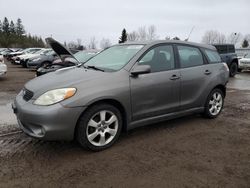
123, 87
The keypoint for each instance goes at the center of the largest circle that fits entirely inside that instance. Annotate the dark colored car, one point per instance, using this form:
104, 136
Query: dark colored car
123, 87
229, 56
42, 60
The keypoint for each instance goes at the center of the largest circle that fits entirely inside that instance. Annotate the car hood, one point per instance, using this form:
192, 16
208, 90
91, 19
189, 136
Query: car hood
59, 49
245, 59
67, 77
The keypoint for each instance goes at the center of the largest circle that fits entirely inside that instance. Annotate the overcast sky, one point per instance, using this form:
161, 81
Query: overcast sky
67, 20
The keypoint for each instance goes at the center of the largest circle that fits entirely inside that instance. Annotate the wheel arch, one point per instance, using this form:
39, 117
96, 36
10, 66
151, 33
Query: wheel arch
113, 102
222, 88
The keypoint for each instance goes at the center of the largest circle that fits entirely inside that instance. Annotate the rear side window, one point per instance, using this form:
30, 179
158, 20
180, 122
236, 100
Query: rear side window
213, 56
189, 56
222, 49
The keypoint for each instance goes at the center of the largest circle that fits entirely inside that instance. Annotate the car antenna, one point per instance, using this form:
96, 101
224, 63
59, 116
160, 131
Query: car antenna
190, 33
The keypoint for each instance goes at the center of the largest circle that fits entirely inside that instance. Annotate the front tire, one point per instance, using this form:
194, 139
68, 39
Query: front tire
233, 69
99, 127
214, 103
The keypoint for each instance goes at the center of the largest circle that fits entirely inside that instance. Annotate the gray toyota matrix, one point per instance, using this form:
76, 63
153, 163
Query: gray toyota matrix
123, 87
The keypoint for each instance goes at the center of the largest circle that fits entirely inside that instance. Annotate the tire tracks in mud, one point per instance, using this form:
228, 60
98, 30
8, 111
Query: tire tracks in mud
20, 144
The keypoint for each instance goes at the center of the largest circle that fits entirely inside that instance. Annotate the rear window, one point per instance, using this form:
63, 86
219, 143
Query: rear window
213, 56
231, 49
224, 49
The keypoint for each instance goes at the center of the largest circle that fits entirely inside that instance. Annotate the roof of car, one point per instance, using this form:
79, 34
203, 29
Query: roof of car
169, 41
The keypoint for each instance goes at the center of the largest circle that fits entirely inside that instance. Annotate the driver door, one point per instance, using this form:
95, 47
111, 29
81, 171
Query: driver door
158, 92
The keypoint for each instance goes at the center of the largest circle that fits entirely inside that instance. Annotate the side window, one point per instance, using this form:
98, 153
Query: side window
213, 56
160, 58
189, 56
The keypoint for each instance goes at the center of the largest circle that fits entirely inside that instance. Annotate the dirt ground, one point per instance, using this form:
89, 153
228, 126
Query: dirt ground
186, 152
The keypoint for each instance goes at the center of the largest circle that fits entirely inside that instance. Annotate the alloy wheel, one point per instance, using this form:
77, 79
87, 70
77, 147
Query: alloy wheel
102, 128
215, 103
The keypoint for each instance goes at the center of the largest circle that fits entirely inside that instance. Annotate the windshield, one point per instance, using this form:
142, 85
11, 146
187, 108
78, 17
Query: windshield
84, 56
114, 58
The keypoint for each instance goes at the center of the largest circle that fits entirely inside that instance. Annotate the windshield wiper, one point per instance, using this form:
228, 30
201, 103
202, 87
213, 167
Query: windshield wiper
93, 67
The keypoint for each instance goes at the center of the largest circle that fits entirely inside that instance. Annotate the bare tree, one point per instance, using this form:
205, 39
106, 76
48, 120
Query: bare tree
210, 37
151, 35
79, 42
213, 36
221, 39
142, 33
105, 43
133, 36
234, 38
72, 45
92, 43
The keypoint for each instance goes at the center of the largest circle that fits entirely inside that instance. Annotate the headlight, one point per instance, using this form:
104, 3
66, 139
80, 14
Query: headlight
55, 96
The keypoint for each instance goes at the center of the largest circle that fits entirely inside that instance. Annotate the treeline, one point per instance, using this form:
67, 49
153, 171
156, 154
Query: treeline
13, 35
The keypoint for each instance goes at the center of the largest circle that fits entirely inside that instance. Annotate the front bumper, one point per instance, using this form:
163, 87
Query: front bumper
244, 65
54, 122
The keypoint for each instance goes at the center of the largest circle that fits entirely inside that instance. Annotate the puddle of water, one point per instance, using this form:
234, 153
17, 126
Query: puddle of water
240, 81
7, 117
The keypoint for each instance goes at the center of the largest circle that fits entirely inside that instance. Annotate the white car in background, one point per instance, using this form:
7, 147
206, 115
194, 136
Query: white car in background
26, 52
244, 63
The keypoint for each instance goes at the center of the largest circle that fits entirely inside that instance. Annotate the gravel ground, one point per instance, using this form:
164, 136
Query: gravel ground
186, 152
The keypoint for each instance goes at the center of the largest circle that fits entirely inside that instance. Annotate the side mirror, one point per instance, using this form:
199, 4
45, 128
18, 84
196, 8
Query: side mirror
141, 69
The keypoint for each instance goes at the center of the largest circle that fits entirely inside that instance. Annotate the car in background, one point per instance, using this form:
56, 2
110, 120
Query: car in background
16, 52
229, 56
5, 51
42, 60
24, 59
125, 86
16, 59
244, 63
79, 58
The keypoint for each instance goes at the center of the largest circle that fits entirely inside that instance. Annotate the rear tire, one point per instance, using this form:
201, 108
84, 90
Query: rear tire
233, 69
24, 64
99, 127
214, 103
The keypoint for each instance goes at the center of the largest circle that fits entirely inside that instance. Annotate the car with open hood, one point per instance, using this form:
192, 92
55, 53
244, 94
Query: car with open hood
124, 86
68, 59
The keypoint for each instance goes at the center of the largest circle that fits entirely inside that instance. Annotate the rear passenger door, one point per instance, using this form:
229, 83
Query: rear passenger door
194, 76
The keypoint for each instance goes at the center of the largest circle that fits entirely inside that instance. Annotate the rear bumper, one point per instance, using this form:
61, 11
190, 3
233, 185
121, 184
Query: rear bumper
53, 122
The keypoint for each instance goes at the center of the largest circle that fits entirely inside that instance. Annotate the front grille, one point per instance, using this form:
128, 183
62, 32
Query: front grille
27, 94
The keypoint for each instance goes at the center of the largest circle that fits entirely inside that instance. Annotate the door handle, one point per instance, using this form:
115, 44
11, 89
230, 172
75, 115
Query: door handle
207, 72
174, 77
